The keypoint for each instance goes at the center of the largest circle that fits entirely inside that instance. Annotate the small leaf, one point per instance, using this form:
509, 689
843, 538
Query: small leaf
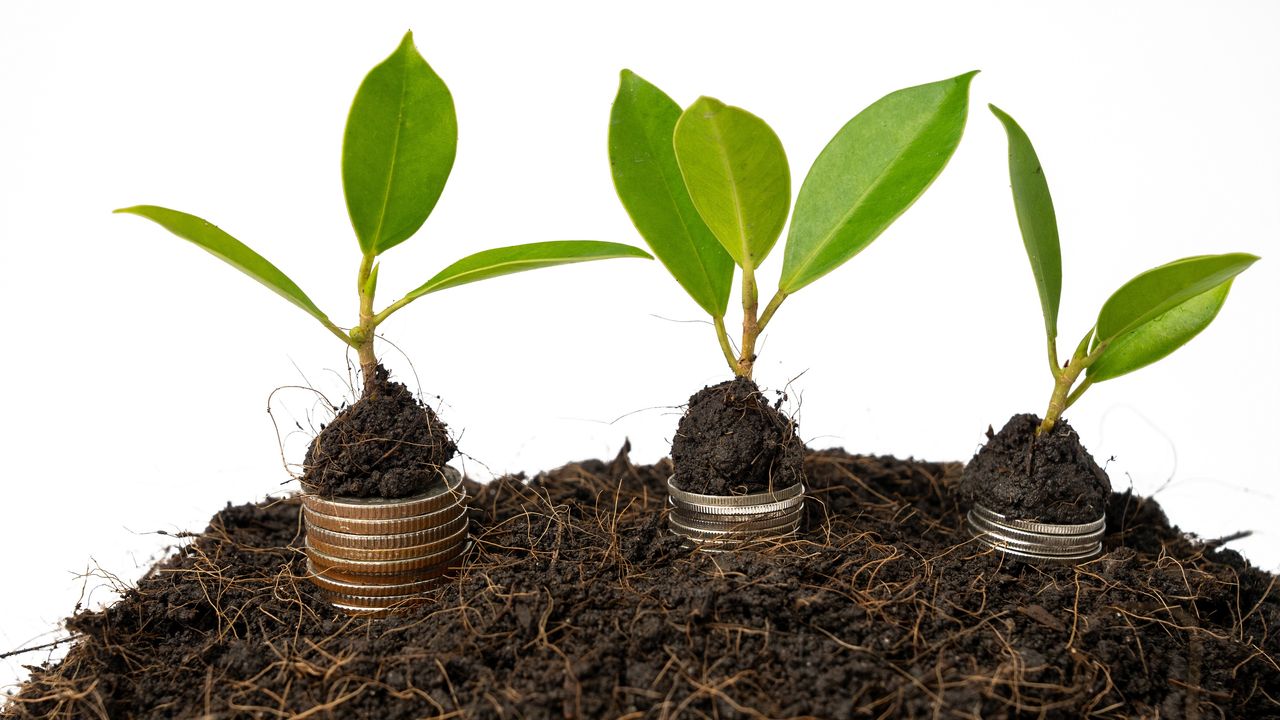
1157, 338
400, 141
737, 174
1036, 219
647, 178
1159, 290
518, 258
231, 250
874, 168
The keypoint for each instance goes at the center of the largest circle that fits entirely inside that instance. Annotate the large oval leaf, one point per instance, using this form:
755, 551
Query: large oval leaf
1155, 339
1036, 219
647, 178
518, 258
736, 171
1159, 290
400, 141
232, 251
874, 168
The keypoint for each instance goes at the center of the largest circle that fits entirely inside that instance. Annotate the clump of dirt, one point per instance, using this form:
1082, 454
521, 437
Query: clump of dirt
731, 441
386, 444
1049, 477
576, 603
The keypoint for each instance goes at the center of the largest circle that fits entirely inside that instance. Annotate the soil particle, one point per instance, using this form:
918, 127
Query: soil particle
731, 441
1049, 477
576, 603
386, 444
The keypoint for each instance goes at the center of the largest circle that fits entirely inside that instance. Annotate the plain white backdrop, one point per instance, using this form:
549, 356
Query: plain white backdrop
137, 368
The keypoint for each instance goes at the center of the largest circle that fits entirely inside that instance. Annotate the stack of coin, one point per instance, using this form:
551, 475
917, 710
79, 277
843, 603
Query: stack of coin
369, 555
723, 520
1037, 541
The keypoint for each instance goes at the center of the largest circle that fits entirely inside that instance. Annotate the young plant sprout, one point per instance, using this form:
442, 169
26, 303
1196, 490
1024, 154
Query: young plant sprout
397, 152
1036, 469
709, 189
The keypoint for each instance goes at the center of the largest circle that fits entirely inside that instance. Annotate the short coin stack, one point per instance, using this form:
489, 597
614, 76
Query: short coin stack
1037, 541
369, 555
723, 520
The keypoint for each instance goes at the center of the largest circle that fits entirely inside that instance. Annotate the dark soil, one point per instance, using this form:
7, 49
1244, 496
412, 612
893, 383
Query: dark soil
386, 444
732, 441
576, 604
1051, 477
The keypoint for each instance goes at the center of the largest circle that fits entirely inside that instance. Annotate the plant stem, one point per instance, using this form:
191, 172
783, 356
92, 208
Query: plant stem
725, 346
363, 334
1063, 396
750, 321
770, 309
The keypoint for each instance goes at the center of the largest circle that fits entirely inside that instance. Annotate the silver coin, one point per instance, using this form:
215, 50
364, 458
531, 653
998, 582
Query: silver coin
737, 502
394, 526
442, 494
387, 567
766, 522
1040, 527
978, 522
387, 542
735, 514
704, 535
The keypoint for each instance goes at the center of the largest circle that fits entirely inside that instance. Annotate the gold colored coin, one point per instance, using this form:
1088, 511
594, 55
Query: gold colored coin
388, 554
329, 563
445, 493
393, 526
346, 584
378, 543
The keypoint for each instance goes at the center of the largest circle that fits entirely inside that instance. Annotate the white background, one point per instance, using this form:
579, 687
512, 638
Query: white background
137, 368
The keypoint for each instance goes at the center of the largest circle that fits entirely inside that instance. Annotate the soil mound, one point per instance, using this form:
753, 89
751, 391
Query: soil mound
731, 441
1049, 477
575, 603
386, 444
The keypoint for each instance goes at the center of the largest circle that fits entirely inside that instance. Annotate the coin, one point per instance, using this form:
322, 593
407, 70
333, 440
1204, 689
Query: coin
385, 542
386, 567
1037, 541
769, 521
360, 602
779, 495
401, 553
365, 586
1040, 527
393, 526
705, 535
441, 495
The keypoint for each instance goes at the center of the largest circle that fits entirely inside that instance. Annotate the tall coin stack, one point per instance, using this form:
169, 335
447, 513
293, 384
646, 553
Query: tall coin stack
1037, 541
370, 555
723, 520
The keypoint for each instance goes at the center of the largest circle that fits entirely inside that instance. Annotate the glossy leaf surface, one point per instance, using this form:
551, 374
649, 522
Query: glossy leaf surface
519, 258
1156, 339
736, 171
1159, 290
1036, 219
230, 250
399, 146
642, 158
874, 168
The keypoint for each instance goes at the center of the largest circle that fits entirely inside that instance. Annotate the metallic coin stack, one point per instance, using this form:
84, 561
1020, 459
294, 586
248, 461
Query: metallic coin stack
369, 555
720, 520
1037, 541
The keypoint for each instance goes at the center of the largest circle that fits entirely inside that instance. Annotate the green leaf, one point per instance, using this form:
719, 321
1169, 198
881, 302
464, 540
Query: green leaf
737, 174
1159, 290
400, 141
231, 250
1036, 219
647, 178
1155, 339
518, 258
874, 168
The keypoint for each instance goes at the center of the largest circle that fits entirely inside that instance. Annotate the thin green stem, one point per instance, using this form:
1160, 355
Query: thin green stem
750, 321
362, 335
770, 309
1075, 394
1053, 358
377, 319
725, 346
1063, 396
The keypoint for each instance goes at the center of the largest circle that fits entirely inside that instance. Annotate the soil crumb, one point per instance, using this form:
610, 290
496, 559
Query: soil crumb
1049, 477
386, 444
731, 441
576, 603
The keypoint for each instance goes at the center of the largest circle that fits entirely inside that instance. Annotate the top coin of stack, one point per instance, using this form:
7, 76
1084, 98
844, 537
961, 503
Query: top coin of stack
369, 555
725, 519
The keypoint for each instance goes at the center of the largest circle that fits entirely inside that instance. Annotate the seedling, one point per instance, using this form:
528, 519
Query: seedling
1148, 318
709, 189
399, 146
